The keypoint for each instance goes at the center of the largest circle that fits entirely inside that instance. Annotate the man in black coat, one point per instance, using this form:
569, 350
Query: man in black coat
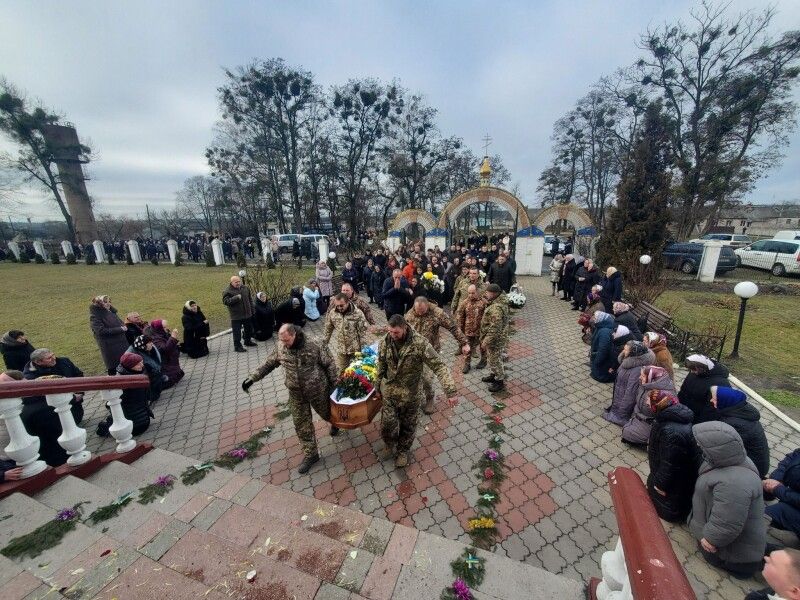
39, 418
240, 306
290, 311
586, 276
350, 275
501, 273
16, 349
396, 294
568, 278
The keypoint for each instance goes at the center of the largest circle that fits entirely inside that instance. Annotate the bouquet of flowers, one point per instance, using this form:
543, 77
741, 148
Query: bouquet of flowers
516, 297
357, 381
432, 283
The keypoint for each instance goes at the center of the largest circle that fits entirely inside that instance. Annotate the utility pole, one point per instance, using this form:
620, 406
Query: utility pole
149, 222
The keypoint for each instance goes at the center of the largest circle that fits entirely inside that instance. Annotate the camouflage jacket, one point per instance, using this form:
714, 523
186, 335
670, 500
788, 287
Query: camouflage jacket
307, 366
400, 365
351, 330
428, 325
469, 314
495, 321
461, 286
364, 307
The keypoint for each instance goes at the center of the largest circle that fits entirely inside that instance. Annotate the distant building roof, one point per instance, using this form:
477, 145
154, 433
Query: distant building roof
761, 212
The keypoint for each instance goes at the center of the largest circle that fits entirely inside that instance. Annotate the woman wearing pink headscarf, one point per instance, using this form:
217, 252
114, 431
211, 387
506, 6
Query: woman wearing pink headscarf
637, 429
166, 341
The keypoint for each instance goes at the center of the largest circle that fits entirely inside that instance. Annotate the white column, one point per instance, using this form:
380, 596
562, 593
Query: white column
266, 248
393, 242
121, 427
14, 247
615, 584
431, 241
708, 263
172, 249
72, 438
133, 249
216, 248
99, 251
324, 249
530, 251
66, 248
22, 448
38, 246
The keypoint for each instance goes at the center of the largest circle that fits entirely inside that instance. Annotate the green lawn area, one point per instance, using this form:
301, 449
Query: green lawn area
50, 303
768, 359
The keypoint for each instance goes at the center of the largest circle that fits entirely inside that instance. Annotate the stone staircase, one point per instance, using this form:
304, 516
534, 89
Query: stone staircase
201, 541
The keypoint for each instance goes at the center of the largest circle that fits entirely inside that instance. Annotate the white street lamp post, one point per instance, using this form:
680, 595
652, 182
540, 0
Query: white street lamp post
745, 290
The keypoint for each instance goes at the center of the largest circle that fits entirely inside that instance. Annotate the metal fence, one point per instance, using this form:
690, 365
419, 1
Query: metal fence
682, 343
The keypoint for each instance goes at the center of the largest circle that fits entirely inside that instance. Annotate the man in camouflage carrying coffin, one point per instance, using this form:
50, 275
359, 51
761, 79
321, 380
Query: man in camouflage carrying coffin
402, 356
310, 376
494, 335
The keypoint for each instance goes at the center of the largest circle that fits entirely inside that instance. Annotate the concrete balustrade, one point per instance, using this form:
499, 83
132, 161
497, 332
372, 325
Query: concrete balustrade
122, 427
72, 438
23, 448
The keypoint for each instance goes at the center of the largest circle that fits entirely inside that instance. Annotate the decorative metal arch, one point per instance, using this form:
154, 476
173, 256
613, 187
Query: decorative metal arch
413, 215
484, 194
564, 212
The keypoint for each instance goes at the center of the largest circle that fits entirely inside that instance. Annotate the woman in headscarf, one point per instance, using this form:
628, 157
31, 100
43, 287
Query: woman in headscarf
263, 318
624, 316
612, 288
734, 409
695, 391
135, 326
673, 457
166, 341
658, 344
324, 277
633, 357
195, 330
143, 346
555, 272
109, 331
604, 362
310, 296
637, 429
134, 400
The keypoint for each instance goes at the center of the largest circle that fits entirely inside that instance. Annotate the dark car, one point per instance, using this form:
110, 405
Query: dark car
686, 257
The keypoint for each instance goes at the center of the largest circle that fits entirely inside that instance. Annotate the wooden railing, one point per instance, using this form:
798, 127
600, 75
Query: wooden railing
23, 448
643, 566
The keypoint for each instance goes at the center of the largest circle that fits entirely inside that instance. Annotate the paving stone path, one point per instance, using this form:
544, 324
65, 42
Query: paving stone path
557, 512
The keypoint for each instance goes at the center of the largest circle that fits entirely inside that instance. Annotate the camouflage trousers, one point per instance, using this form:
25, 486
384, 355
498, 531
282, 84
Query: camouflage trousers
475, 348
494, 356
300, 406
343, 361
399, 415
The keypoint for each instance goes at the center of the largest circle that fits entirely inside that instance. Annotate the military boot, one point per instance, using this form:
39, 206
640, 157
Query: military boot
481, 363
401, 460
429, 409
306, 464
488, 378
497, 385
387, 452
466, 368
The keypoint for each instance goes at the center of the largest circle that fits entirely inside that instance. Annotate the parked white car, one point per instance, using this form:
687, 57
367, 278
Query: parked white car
286, 242
787, 234
778, 256
734, 240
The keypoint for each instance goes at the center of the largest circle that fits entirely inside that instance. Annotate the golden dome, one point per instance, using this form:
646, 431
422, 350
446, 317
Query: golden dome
486, 171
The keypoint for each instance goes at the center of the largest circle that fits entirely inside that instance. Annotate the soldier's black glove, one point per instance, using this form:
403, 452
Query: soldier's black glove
246, 384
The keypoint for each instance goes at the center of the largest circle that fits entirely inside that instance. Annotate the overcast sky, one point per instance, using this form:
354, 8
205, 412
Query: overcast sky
139, 79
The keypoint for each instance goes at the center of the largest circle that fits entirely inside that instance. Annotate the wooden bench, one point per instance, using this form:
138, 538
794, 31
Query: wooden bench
653, 318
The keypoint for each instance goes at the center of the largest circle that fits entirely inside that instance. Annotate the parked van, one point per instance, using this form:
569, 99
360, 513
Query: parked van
286, 241
778, 256
787, 234
727, 239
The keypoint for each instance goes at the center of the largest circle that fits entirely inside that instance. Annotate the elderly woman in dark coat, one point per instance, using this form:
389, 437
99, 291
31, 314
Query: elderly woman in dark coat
695, 391
604, 362
673, 457
16, 349
637, 429
109, 331
728, 502
195, 330
166, 341
624, 316
263, 318
134, 401
733, 409
633, 357
568, 277
135, 326
612, 288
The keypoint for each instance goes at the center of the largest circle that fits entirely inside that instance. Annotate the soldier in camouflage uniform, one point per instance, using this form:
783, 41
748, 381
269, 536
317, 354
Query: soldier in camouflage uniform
351, 328
402, 355
494, 335
309, 375
426, 319
358, 302
473, 278
468, 318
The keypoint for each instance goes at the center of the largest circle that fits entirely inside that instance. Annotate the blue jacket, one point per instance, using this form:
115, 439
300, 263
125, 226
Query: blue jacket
311, 297
788, 473
603, 355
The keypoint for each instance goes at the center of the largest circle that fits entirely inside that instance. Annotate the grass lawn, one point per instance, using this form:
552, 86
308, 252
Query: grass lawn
768, 359
50, 303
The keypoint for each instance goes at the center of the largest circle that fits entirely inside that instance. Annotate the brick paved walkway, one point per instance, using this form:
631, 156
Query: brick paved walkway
557, 514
